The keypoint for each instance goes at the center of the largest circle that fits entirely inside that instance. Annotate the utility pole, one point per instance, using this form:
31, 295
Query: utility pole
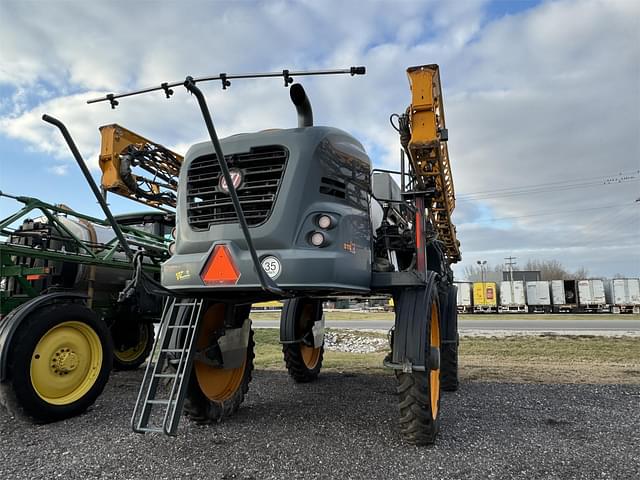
511, 263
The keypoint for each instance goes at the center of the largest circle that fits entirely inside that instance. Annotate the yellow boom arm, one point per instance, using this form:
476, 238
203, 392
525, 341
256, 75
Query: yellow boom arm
123, 150
428, 153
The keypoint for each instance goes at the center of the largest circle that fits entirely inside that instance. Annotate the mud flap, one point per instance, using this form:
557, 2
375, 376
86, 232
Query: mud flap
410, 332
232, 348
449, 317
291, 331
318, 332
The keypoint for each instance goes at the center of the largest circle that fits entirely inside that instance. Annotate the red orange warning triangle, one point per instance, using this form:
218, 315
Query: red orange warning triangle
220, 268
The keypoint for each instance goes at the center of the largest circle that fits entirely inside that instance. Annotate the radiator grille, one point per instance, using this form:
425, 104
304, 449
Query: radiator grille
262, 169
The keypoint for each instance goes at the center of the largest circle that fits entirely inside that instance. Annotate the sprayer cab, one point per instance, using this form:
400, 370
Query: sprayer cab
304, 193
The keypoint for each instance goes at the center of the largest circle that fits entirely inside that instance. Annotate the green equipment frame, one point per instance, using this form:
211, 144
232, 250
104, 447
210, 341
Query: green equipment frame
80, 251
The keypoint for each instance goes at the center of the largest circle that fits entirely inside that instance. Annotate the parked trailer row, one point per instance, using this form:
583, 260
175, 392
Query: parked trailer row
619, 295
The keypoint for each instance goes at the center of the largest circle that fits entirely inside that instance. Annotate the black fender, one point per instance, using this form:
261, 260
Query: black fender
449, 315
10, 324
412, 305
291, 311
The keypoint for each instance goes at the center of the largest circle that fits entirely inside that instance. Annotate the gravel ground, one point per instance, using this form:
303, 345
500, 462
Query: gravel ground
344, 426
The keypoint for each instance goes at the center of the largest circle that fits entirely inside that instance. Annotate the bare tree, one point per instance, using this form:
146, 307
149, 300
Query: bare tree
580, 274
549, 270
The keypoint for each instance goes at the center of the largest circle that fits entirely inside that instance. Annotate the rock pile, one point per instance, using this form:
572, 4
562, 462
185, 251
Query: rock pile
354, 342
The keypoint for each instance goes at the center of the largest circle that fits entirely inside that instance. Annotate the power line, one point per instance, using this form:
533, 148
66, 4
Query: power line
585, 179
545, 190
617, 179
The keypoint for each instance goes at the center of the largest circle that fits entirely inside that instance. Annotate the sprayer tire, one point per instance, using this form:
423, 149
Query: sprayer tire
201, 409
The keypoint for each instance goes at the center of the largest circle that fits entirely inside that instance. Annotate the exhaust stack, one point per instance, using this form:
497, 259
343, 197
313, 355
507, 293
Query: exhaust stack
303, 106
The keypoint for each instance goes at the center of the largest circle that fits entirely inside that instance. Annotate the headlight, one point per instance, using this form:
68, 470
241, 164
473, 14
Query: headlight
325, 222
317, 239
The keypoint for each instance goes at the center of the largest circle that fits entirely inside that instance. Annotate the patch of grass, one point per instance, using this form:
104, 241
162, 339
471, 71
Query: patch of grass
557, 349
546, 316
552, 359
332, 315
353, 315
269, 354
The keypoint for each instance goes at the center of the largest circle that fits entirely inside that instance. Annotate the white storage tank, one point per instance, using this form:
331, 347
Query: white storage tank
564, 295
464, 301
591, 296
512, 298
539, 296
625, 295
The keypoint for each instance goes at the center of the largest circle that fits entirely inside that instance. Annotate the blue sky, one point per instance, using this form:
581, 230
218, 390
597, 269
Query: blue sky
535, 92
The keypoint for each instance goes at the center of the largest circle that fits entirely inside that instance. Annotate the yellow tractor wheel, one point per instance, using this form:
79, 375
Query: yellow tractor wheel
59, 362
303, 359
132, 343
216, 392
419, 391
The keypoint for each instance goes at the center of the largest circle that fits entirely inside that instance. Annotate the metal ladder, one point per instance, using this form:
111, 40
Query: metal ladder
178, 331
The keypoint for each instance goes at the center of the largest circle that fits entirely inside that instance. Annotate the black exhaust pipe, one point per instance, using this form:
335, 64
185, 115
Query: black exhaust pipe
303, 106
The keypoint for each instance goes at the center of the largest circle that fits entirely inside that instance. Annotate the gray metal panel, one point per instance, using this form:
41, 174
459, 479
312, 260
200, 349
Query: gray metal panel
522, 275
385, 187
314, 153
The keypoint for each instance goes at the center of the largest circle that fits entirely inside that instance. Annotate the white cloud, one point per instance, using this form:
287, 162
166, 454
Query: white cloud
548, 94
60, 170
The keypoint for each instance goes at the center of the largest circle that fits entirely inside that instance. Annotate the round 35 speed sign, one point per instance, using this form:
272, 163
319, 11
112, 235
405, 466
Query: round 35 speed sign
272, 266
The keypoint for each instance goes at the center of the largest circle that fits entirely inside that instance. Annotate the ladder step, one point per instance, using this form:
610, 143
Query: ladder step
173, 321
151, 430
167, 375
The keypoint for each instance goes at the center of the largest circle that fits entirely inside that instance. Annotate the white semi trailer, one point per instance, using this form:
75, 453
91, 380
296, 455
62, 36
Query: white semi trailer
538, 296
591, 296
512, 297
564, 296
465, 299
625, 295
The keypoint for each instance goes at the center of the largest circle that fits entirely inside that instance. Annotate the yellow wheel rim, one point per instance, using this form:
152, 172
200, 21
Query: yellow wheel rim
66, 363
133, 353
310, 356
217, 384
434, 375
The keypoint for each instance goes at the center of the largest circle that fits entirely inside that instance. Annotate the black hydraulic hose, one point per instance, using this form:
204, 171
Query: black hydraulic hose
266, 282
303, 105
92, 183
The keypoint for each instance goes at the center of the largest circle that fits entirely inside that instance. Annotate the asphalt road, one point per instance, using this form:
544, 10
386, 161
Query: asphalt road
515, 325
344, 426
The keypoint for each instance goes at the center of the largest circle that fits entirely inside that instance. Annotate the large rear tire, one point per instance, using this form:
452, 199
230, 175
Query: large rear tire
132, 343
419, 392
59, 362
450, 340
215, 393
303, 359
